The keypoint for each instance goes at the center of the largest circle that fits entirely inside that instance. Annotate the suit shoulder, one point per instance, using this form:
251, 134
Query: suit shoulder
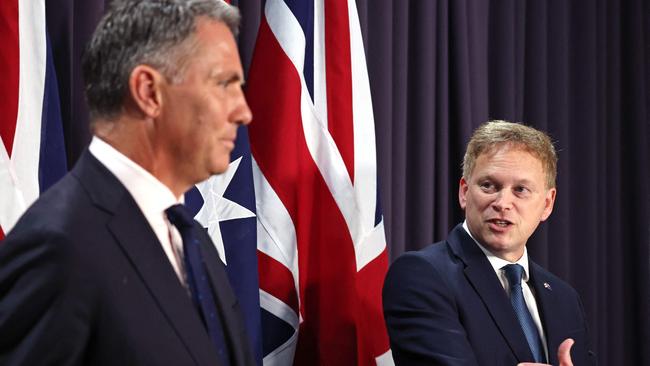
64, 208
54, 232
435, 254
42, 248
433, 261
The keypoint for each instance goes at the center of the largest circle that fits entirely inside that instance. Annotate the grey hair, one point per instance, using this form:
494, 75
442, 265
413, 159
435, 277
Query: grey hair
158, 33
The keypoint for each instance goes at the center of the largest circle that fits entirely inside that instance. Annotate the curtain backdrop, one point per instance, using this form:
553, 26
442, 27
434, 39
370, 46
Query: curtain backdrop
578, 69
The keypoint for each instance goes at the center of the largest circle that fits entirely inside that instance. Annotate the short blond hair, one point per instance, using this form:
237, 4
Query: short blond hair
495, 134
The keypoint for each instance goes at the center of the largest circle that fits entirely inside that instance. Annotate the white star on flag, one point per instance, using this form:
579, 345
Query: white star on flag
216, 208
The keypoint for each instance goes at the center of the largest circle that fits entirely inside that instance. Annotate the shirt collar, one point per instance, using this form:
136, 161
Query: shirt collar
151, 195
496, 262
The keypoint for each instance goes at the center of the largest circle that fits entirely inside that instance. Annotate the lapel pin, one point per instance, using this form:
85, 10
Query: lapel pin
547, 286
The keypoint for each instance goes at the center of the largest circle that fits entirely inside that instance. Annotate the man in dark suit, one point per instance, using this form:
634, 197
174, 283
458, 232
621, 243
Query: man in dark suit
476, 298
106, 268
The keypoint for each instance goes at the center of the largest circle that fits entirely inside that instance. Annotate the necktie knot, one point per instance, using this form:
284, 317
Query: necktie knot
179, 216
514, 273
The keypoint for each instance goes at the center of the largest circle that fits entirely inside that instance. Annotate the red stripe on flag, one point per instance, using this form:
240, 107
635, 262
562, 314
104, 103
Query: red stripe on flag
339, 79
370, 281
10, 66
277, 280
328, 333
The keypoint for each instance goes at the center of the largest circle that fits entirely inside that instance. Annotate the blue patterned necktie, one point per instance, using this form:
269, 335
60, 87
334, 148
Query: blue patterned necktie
202, 295
513, 273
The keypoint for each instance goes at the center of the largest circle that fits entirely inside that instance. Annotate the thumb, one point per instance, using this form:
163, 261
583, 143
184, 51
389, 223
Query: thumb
564, 352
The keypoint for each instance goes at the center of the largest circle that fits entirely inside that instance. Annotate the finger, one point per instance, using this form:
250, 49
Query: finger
532, 364
564, 352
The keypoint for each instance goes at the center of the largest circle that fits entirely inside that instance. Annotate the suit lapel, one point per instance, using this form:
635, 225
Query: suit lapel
548, 304
139, 243
481, 275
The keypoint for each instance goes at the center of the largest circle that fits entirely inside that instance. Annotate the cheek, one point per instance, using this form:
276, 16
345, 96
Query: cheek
531, 216
478, 201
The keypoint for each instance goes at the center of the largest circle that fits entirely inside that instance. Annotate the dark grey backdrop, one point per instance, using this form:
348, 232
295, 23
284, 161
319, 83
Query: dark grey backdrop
579, 69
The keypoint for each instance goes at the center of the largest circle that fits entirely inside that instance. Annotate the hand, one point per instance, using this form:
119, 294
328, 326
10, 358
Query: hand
563, 355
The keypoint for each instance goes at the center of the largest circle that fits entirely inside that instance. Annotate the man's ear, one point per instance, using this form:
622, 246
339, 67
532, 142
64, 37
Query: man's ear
462, 192
144, 88
549, 201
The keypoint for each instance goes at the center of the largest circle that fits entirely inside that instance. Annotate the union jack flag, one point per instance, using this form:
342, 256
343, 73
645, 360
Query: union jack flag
320, 233
32, 153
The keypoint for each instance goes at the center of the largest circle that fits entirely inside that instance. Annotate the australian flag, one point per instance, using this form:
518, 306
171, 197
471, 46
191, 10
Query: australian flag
225, 205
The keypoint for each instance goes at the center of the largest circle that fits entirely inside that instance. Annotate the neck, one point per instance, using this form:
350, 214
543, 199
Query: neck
136, 139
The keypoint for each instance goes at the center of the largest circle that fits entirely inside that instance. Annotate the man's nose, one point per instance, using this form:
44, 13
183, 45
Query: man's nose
242, 114
503, 200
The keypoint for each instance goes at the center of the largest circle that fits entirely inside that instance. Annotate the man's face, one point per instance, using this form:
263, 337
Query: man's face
505, 199
203, 109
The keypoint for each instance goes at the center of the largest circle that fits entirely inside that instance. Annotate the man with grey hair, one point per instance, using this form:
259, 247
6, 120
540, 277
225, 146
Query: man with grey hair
476, 298
107, 267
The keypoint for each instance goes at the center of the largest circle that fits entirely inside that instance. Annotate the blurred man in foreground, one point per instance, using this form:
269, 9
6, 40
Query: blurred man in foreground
107, 267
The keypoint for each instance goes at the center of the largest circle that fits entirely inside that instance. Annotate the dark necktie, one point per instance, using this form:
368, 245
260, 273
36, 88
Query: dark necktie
514, 273
197, 279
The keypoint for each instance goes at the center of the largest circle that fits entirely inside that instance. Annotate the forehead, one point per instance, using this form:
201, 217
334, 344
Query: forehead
208, 28
214, 41
509, 160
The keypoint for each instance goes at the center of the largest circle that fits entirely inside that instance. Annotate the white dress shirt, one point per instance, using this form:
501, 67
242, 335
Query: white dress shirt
498, 263
151, 196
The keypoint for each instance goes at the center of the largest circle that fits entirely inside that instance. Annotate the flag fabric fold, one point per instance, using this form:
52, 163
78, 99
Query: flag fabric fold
32, 151
321, 245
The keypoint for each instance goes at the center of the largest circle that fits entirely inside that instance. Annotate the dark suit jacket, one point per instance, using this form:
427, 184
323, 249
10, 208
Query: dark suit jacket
444, 305
84, 281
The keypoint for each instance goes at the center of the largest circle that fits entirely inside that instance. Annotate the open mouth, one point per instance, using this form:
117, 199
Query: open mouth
500, 223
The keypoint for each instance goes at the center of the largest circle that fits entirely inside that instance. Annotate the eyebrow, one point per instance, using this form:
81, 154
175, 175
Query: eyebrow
230, 75
523, 181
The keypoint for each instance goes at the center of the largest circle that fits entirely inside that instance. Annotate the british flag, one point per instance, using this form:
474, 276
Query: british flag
320, 233
32, 153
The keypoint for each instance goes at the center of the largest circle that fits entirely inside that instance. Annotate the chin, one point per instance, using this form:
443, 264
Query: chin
498, 245
201, 178
220, 168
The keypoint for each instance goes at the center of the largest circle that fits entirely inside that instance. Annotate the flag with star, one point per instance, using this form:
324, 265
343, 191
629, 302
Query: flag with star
225, 205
